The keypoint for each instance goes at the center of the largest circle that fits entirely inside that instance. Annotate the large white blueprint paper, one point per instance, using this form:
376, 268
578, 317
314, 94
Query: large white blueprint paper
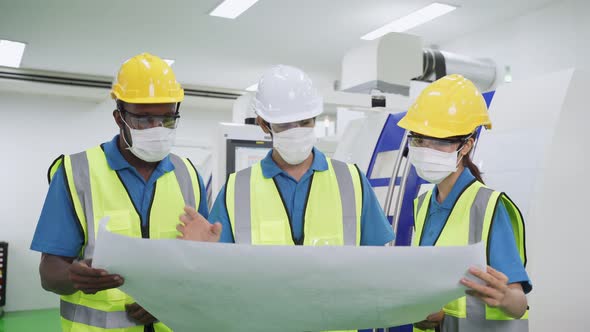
194, 286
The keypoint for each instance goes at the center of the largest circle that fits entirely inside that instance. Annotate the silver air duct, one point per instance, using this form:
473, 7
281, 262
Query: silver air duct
436, 64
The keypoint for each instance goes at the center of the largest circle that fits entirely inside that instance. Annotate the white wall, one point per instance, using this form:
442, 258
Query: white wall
37, 129
561, 246
537, 154
545, 40
518, 157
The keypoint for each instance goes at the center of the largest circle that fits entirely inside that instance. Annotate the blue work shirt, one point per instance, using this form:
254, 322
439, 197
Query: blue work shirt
504, 255
375, 229
58, 232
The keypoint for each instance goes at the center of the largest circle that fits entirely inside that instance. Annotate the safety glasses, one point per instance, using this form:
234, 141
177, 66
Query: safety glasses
279, 127
417, 140
137, 121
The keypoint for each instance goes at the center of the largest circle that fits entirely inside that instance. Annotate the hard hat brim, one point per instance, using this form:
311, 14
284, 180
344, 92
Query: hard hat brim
150, 100
425, 129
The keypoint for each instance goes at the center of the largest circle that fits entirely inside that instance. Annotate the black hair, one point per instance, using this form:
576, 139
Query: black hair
467, 162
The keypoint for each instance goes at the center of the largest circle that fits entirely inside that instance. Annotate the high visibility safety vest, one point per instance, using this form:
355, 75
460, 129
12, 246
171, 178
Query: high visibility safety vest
97, 191
469, 222
332, 212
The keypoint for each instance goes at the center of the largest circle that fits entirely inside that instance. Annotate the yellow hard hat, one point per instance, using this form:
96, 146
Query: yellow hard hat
146, 79
451, 106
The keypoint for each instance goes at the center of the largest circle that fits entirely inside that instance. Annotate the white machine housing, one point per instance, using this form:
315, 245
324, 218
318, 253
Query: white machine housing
386, 64
241, 132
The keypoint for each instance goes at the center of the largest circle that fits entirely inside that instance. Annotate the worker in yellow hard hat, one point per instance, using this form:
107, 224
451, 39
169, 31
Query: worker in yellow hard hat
135, 181
461, 210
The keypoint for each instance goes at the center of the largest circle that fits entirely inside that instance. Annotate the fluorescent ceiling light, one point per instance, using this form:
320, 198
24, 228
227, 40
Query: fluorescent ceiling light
169, 61
11, 53
253, 87
411, 20
232, 8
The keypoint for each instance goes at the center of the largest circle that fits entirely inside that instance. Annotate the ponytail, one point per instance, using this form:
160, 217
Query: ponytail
472, 167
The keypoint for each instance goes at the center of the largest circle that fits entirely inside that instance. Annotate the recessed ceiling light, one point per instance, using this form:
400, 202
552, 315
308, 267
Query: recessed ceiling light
411, 20
253, 87
232, 8
11, 53
169, 61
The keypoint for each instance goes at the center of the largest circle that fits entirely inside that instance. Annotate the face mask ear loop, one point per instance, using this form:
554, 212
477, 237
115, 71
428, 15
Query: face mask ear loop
459, 161
129, 127
461, 148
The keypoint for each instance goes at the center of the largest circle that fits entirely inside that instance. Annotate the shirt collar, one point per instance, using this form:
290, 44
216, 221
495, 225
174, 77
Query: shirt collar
270, 169
465, 179
117, 162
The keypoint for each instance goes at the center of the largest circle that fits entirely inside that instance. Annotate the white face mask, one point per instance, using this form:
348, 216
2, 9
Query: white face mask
294, 145
152, 144
433, 165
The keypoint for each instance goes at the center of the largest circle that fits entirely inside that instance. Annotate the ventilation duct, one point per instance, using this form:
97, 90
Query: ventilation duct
90, 81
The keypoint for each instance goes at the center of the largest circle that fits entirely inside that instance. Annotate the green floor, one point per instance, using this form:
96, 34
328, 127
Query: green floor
25, 321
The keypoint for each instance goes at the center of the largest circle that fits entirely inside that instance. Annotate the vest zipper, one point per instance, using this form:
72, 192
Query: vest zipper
302, 239
145, 229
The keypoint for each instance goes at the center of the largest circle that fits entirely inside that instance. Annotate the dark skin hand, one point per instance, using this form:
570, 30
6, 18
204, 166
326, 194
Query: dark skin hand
90, 280
139, 314
63, 276
431, 322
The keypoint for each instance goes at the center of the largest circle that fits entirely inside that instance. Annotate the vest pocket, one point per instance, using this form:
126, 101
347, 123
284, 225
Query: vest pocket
273, 232
119, 221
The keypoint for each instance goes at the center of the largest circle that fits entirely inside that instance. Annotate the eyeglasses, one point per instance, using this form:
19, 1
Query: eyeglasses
278, 127
137, 121
435, 143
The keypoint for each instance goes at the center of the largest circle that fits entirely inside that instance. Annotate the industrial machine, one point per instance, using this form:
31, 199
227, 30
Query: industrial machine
237, 146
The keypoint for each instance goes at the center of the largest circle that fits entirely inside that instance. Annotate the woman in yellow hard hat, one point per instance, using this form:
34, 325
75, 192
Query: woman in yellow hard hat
461, 210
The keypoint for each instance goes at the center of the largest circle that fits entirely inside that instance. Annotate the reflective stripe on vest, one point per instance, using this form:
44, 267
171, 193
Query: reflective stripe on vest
470, 222
81, 178
184, 180
88, 316
97, 191
332, 211
453, 324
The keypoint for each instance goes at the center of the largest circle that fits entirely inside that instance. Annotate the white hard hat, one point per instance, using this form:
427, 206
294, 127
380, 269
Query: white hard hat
286, 94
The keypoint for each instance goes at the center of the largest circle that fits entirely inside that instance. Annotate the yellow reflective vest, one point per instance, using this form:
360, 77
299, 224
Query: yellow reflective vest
97, 191
469, 222
332, 216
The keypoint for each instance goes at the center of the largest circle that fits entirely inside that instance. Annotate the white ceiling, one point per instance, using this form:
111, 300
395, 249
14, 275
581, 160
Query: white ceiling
95, 37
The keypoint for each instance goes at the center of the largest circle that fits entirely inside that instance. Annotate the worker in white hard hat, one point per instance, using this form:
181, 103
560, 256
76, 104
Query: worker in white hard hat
295, 195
